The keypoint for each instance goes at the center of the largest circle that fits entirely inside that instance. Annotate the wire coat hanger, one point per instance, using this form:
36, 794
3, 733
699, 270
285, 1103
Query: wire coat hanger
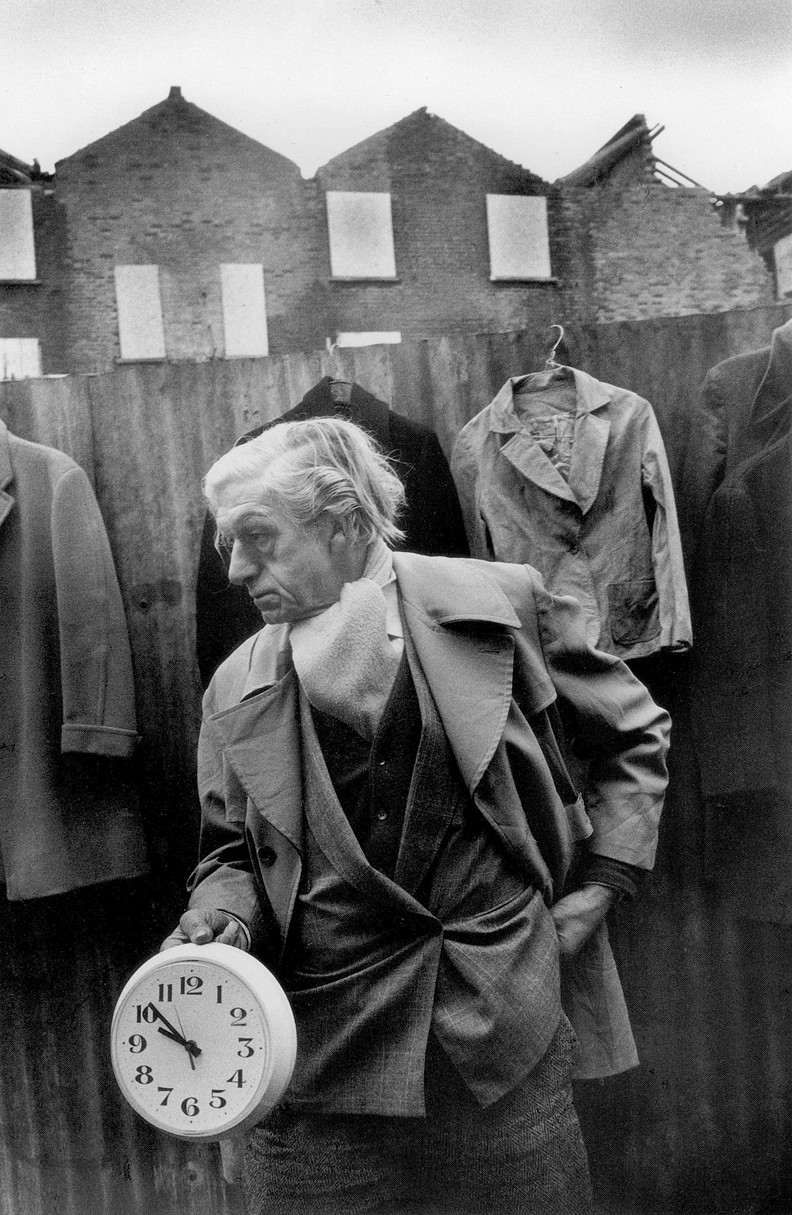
550, 362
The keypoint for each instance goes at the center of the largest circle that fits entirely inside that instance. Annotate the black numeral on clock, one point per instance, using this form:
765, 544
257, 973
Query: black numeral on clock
191, 985
247, 1049
137, 1043
218, 1100
144, 1074
237, 1078
167, 1092
145, 1012
238, 1016
165, 993
190, 1107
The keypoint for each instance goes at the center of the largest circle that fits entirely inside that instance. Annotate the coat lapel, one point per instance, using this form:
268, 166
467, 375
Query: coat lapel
6, 474
771, 405
592, 430
469, 673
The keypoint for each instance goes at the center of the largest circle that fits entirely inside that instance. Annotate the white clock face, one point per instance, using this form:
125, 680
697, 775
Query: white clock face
193, 1045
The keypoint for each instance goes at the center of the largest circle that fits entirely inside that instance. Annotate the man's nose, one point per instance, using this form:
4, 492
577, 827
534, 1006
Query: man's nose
240, 566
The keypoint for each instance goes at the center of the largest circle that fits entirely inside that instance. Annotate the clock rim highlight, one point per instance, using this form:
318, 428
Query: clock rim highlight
278, 1028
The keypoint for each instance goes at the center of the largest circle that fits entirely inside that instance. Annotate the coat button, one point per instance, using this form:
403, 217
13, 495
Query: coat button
267, 856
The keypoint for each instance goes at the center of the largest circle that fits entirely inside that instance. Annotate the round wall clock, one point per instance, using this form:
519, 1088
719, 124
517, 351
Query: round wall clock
203, 1041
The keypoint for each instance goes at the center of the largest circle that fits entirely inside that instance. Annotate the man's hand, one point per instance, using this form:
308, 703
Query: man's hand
201, 927
578, 914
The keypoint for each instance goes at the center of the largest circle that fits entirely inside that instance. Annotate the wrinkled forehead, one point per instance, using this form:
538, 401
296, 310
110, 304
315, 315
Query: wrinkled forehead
241, 497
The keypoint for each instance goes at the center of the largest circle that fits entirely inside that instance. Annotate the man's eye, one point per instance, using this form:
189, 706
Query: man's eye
225, 545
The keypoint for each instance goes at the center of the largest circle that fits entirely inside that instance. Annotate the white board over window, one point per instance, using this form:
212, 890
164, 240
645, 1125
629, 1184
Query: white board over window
244, 310
518, 237
783, 266
382, 337
20, 358
141, 332
17, 249
360, 230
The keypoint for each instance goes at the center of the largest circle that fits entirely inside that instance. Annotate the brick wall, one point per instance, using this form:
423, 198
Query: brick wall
438, 178
35, 310
659, 251
179, 189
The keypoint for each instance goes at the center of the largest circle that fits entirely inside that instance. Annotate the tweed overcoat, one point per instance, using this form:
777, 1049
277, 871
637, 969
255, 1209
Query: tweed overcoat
497, 651
67, 713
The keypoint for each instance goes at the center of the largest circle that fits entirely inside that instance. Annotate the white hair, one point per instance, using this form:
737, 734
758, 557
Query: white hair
322, 466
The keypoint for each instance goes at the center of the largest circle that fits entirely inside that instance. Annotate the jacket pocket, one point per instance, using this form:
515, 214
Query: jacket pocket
634, 611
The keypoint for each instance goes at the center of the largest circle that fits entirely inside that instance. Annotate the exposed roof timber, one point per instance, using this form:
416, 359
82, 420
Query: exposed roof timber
632, 135
677, 173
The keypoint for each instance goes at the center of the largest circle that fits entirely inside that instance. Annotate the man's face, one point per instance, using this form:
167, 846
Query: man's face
291, 571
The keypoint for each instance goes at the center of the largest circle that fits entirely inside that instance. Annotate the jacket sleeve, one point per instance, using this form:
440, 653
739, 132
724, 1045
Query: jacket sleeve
732, 715
224, 879
667, 560
96, 666
615, 729
466, 473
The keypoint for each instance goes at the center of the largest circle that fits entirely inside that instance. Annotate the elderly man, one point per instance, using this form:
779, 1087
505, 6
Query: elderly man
389, 824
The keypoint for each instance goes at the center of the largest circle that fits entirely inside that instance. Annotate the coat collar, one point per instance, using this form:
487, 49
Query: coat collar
773, 400
455, 660
436, 603
592, 430
364, 409
6, 474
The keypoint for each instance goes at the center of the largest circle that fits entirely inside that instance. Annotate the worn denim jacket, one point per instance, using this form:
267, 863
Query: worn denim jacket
607, 534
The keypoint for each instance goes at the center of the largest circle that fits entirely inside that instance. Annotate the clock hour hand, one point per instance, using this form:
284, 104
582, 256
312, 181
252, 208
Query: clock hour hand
191, 1047
187, 1043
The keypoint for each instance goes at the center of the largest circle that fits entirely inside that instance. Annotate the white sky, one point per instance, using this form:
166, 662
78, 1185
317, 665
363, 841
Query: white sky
543, 82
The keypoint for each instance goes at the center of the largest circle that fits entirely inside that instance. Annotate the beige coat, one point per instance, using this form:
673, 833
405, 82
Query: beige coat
67, 815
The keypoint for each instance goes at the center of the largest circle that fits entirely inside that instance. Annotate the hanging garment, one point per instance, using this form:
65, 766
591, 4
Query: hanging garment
570, 475
67, 813
743, 408
432, 521
742, 599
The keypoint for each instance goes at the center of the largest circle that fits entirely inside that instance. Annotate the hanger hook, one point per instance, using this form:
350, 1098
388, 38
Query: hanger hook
550, 361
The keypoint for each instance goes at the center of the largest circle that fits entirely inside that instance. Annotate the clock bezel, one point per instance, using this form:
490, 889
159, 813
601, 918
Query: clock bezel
272, 1007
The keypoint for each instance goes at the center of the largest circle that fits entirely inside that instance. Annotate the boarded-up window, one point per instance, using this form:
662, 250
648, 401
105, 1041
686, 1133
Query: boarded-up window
141, 333
244, 310
384, 337
518, 238
20, 358
783, 266
360, 230
17, 251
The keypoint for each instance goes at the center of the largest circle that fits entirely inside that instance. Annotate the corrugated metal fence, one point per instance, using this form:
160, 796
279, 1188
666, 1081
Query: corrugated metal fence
704, 1125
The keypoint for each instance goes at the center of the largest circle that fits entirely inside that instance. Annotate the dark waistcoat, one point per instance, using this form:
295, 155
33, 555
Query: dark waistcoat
396, 935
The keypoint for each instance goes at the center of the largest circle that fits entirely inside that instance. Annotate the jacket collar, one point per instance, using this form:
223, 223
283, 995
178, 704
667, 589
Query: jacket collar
6, 474
773, 400
592, 430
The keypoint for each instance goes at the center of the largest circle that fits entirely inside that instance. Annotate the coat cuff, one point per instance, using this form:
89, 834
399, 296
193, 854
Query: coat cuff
98, 740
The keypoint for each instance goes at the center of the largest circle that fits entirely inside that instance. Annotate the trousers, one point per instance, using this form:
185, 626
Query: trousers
522, 1154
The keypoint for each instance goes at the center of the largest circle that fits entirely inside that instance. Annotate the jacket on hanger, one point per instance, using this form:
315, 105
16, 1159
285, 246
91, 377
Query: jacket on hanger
68, 816
226, 615
572, 477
